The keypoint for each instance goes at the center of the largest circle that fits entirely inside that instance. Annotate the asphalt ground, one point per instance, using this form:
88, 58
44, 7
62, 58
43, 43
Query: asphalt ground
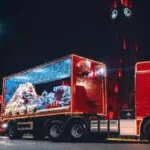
28, 143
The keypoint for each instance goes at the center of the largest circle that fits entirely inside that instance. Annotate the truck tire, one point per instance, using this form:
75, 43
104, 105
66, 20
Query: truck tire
78, 131
147, 130
56, 131
14, 134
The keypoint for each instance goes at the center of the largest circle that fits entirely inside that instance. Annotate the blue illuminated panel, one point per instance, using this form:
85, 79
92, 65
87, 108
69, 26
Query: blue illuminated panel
43, 74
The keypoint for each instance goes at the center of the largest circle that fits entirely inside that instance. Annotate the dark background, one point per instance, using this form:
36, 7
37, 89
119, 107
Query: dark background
33, 32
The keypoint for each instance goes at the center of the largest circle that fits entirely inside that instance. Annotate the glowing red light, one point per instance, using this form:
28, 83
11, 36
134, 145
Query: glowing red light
115, 4
110, 115
116, 88
121, 61
125, 3
119, 73
124, 44
136, 47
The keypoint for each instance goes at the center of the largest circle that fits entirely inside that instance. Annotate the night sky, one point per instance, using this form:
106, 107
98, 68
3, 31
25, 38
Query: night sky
33, 32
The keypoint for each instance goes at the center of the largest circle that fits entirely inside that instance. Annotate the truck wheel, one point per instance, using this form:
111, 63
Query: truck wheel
56, 131
12, 132
147, 130
78, 131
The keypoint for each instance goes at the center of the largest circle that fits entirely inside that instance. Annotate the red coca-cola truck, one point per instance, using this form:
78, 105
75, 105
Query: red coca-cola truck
67, 99
57, 99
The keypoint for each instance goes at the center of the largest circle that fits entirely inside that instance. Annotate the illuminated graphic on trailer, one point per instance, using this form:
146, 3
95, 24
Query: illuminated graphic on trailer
39, 88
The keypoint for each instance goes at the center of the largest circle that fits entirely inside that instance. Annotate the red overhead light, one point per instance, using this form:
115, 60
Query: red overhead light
116, 88
136, 47
115, 4
124, 44
125, 3
119, 73
121, 61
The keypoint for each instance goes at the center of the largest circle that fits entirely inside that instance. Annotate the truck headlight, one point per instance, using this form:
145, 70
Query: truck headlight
100, 70
4, 125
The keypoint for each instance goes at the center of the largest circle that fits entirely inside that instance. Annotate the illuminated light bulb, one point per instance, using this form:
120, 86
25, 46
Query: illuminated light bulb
127, 12
114, 14
125, 3
116, 88
119, 73
102, 70
124, 44
121, 61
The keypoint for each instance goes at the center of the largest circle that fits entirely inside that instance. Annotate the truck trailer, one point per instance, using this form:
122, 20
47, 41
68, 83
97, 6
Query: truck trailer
67, 99
58, 99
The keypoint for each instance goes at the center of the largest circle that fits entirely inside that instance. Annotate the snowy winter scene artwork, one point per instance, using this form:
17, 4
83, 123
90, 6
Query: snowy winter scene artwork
38, 90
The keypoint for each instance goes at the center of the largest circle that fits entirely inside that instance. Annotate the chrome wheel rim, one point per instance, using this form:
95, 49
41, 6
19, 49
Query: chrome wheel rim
55, 131
77, 131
